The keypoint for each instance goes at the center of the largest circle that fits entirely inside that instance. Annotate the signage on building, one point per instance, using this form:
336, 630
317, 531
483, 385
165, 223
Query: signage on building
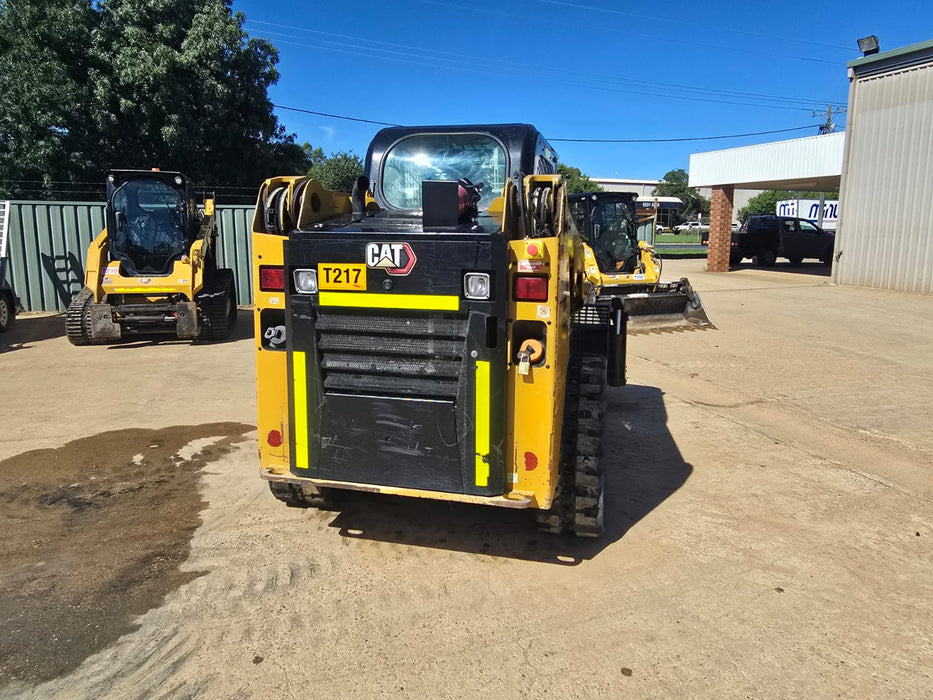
810, 209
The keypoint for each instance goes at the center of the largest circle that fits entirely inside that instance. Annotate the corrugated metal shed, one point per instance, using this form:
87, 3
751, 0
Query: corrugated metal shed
885, 233
48, 243
812, 163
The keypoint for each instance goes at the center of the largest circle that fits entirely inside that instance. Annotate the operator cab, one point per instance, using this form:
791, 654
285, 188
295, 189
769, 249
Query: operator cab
609, 223
449, 176
153, 218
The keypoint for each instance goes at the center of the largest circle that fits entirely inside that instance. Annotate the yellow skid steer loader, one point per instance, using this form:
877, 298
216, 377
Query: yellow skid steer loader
153, 269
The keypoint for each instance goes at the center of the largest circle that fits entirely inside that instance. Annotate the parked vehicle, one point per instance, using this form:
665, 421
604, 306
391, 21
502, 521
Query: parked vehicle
704, 233
766, 237
9, 302
689, 227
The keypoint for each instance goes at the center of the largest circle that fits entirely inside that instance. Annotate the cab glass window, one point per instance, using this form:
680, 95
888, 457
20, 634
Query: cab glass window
614, 240
476, 157
149, 225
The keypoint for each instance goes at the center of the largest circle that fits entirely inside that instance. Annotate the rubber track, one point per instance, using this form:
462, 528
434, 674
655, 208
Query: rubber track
578, 503
212, 302
78, 319
297, 496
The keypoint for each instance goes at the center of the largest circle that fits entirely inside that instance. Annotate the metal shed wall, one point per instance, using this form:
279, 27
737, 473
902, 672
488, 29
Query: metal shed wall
48, 244
885, 236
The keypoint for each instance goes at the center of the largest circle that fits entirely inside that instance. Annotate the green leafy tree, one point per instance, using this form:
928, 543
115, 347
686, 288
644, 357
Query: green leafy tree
176, 84
337, 172
45, 97
675, 184
576, 181
766, 202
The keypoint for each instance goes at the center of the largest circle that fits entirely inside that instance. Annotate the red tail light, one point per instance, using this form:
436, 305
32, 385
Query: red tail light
528, 288
271, 279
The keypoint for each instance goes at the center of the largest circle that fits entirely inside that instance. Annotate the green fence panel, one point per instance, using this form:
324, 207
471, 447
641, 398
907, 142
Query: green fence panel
48, 244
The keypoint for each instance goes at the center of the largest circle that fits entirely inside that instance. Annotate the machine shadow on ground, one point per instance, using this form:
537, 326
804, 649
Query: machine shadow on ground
643, 468
807, 267
31, 329
242, 330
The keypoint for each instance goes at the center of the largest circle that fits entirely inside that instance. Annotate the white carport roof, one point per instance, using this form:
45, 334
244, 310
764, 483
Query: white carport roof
812, 163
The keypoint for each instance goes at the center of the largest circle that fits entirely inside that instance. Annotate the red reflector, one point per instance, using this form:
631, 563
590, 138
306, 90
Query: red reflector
272, 279
274, 438
530, 288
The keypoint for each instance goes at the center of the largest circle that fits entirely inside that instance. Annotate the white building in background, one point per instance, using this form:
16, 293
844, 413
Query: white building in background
644, 189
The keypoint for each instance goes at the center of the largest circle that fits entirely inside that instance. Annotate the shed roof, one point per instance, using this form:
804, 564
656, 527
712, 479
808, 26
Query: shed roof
810, 163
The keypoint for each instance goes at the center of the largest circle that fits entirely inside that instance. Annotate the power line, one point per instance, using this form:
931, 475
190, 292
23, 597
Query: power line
334, 116
694, 25
471, 62
691, 138
629, 34
576, 83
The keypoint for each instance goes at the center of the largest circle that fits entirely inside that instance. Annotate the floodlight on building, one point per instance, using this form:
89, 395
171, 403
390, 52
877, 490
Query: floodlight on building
868, 45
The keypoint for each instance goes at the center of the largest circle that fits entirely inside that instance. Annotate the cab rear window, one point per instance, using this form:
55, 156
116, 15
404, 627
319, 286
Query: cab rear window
476, 157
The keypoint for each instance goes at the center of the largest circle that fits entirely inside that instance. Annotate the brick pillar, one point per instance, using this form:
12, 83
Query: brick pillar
720, 228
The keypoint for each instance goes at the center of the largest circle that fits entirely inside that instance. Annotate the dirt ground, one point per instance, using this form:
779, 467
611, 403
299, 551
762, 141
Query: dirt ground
769, 526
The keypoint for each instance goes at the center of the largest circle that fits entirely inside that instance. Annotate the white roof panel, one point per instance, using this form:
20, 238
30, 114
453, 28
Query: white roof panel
814, 163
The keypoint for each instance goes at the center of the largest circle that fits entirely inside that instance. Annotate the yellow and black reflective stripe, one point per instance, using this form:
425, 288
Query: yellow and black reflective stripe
300, 391
145, 290
481, 423
425, 302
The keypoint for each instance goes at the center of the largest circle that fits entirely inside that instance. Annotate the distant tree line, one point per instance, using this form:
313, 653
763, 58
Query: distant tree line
88, 85
675, 184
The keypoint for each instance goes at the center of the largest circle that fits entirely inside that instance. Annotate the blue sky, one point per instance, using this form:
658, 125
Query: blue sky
581, 69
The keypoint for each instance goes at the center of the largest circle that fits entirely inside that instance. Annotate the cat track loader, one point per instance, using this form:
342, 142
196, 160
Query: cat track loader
153, 269
619, 265
429, 335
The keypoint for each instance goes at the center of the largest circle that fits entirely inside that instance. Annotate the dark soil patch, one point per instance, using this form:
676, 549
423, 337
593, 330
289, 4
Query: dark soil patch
91, 539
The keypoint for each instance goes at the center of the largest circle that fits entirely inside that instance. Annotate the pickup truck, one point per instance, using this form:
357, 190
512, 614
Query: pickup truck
767, 237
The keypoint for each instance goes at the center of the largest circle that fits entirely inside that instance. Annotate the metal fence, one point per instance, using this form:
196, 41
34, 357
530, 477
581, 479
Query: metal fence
47, 247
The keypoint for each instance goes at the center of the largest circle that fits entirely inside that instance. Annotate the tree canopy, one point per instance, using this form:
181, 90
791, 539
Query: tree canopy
576, 181
87, 86
337, 172
766, 202
675, 184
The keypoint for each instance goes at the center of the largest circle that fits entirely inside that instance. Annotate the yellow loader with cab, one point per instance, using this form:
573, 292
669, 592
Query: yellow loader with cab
434, 333
619, 264
153, 269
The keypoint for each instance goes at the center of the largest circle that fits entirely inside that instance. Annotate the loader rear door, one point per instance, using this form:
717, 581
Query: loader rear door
396, 363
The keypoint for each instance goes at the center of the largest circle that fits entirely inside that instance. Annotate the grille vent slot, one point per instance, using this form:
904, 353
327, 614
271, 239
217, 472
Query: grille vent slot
390, 354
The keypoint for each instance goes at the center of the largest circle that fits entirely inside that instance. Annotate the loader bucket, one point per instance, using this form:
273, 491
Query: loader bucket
669, 306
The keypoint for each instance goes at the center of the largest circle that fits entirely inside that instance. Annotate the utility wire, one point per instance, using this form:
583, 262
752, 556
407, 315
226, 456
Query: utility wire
577, 83
690, 138
471, 61
629, 34
693, 25
334, 116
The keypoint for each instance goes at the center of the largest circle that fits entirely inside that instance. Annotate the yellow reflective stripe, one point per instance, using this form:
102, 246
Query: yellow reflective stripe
143, 290
300, 386
390, 301
481, 423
